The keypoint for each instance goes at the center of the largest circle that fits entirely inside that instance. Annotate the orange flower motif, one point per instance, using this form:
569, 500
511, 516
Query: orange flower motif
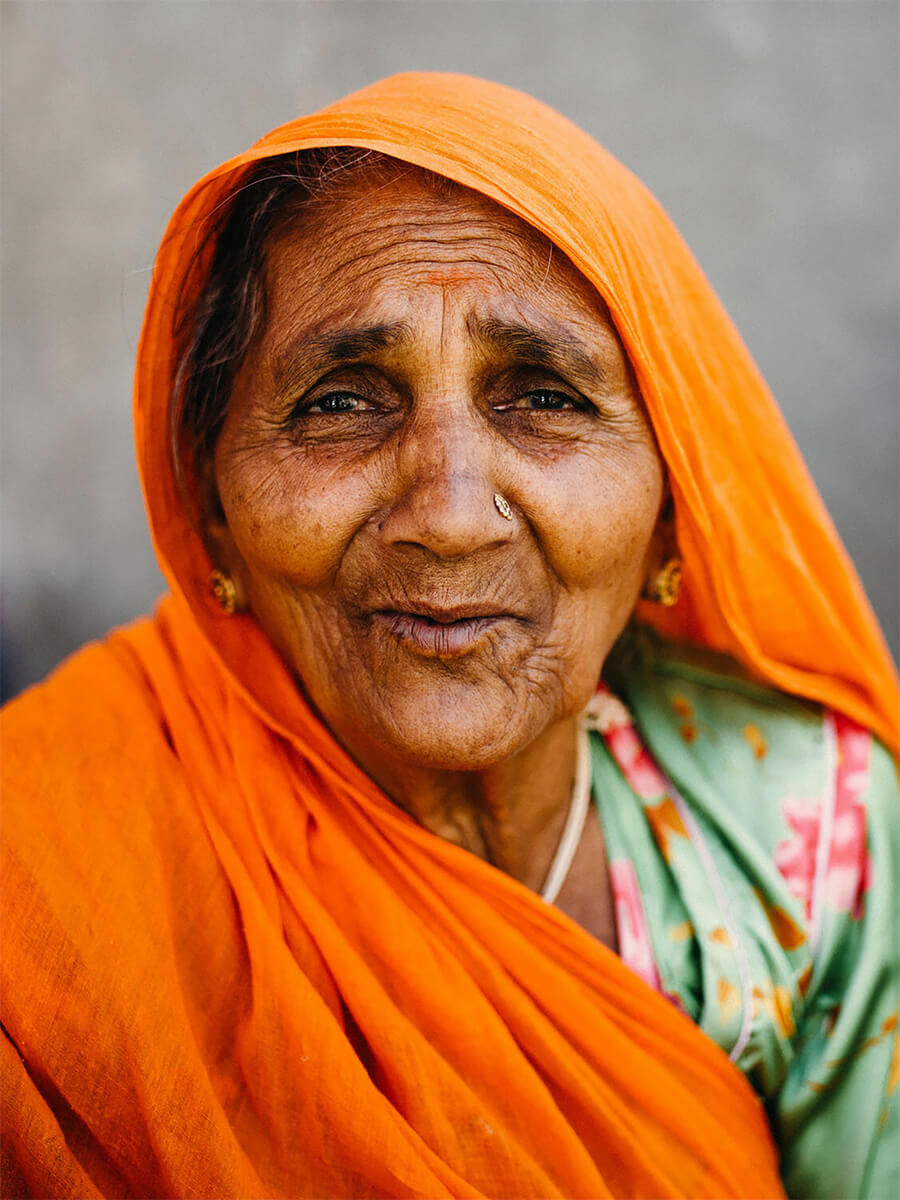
893, 1080
729, 999
804, 979
684, 710
776, 1001
781, 999
888, 1027
757, 741
785, 928
682, 707
665, 821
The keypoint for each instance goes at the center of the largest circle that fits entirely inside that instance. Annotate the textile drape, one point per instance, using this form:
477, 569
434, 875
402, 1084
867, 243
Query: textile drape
243, 971
766, 578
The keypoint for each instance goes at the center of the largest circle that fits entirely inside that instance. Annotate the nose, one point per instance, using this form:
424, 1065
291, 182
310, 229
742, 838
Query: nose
444, 487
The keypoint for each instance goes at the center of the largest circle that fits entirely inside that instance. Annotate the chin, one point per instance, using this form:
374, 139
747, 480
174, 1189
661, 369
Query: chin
461, 753
452, 736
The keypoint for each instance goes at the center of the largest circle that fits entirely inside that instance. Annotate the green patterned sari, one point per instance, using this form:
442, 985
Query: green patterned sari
754, 849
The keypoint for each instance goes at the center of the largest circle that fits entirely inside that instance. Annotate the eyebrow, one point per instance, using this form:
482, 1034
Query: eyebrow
334, 349
558, 352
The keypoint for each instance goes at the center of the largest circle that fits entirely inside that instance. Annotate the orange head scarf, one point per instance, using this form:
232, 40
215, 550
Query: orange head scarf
334, 1001
765, 576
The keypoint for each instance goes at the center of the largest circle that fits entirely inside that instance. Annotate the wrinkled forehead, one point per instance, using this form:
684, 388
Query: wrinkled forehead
414, 232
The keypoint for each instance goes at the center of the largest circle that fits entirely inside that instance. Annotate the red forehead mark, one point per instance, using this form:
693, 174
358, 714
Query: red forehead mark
455, 275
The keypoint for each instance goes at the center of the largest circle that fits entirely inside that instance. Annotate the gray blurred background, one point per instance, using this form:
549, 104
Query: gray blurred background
768, 128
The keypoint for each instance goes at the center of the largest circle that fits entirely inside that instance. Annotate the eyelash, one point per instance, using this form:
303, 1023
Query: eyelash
559, 402
338, 394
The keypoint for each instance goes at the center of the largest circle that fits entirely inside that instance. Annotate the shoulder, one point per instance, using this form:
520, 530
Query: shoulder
793, 810
94, 797
97, 697
781, 762
709, 700
788, 786
92, 736
118, 919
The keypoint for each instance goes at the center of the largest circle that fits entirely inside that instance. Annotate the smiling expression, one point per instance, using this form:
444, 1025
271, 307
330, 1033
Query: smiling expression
422, 353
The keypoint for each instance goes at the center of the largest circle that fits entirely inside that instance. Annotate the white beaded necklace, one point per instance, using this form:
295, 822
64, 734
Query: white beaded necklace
574, 827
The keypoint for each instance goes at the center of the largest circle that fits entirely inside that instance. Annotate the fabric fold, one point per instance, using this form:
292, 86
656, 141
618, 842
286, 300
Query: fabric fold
326, 999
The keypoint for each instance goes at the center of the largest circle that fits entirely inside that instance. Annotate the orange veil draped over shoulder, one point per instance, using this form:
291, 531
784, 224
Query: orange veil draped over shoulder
232, 966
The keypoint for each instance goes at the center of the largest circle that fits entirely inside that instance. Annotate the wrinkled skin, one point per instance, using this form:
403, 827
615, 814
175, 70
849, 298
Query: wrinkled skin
423, 352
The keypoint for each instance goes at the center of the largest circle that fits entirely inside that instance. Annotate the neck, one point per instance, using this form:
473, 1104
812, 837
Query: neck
510, 814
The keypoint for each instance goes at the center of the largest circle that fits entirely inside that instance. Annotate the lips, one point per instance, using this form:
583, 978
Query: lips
439, 633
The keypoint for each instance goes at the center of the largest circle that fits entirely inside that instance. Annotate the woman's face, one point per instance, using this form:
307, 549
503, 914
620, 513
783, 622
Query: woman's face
422, 354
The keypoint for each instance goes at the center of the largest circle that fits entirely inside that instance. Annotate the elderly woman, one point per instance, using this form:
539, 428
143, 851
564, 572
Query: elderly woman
493, 808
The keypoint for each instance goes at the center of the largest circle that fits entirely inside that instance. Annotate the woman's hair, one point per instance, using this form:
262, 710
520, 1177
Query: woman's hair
218, 316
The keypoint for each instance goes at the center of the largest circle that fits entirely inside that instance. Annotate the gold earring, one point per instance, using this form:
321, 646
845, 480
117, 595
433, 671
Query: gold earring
665, 584
222, 587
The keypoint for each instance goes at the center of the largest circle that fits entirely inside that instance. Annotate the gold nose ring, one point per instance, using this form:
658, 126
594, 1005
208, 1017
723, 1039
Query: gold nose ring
502, 507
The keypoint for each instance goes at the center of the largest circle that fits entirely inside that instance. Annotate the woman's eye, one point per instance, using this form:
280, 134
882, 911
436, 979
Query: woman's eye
547, 400
336, 402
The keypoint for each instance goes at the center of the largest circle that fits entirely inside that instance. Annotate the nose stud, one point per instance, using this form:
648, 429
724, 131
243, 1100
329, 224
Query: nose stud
502, 507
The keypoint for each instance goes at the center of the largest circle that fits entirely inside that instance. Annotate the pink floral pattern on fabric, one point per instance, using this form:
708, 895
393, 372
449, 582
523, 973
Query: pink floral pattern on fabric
609, 716
795, 856
846, 867
848, 871
635, 946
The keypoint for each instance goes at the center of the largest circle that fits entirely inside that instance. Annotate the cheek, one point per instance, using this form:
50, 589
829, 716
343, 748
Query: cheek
602, 523
288, 520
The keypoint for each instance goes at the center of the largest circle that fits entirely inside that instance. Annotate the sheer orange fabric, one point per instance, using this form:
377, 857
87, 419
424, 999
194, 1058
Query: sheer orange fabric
766, 578
235, 967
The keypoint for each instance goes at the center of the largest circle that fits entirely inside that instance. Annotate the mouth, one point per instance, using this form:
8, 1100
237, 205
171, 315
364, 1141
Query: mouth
440, 633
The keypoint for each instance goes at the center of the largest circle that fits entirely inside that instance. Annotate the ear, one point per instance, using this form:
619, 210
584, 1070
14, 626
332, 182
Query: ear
217, 537
663, 544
